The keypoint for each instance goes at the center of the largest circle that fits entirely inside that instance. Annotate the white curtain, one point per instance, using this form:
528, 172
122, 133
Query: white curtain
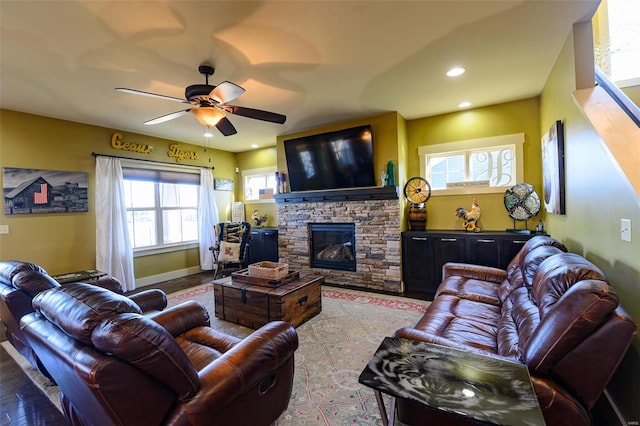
114, 254
207, 219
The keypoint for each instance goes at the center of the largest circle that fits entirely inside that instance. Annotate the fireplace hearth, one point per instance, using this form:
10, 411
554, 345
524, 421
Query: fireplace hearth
332, 246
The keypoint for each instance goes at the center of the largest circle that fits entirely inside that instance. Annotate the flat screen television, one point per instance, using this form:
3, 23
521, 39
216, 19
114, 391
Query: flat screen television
335, 160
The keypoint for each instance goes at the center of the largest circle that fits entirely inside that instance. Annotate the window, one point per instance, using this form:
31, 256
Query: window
162, 207
474, 166
617, 44
259, 184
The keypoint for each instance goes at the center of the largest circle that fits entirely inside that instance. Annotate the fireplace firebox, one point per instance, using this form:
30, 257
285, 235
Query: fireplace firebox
332, 246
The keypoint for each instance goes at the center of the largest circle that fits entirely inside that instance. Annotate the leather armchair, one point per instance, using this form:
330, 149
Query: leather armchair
115, 366
21, 281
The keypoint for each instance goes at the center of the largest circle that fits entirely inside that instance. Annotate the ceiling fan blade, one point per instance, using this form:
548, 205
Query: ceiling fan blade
225, 127
167, 117
225, 92
151, 95
258, 114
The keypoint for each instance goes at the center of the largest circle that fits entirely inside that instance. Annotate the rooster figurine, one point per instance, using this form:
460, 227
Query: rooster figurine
259, 220
470, 218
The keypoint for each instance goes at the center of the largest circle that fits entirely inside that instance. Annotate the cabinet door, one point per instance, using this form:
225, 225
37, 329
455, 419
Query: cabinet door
446, 249
484, 251
256, 247
511, 247
417, 265
270, 244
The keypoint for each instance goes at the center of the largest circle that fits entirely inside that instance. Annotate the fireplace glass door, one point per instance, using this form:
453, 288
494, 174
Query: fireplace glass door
332, 246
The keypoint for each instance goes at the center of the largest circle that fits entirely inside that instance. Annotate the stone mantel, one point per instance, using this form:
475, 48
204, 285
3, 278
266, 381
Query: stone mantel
354, 194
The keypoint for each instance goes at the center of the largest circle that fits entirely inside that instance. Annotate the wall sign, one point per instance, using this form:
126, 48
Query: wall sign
175, 152
118, 142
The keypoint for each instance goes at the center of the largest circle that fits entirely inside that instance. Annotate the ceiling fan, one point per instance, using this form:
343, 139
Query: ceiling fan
209, 104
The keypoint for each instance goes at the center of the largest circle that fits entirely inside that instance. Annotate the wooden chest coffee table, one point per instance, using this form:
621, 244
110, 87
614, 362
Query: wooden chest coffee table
253, 306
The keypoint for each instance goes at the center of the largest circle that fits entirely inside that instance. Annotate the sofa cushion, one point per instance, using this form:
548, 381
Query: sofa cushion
519, 319
463, 321
33, 282
556, 274
147, 345
573, 299
515, 270
10, 268
533, 259
76, 313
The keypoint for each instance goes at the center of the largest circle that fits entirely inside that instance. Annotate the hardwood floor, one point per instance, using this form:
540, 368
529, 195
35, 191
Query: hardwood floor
23, 404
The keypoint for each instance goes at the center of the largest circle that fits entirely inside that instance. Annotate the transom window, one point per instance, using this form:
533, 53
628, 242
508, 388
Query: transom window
475, 166
162, 207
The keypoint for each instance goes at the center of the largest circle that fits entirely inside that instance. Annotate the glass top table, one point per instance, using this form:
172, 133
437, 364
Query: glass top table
477, 387
86, 275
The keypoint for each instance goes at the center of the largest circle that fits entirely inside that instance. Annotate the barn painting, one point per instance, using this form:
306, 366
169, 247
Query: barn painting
28, 191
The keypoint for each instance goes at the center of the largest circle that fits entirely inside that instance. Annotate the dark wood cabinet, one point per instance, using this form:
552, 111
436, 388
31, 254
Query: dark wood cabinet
425, 252
264, 245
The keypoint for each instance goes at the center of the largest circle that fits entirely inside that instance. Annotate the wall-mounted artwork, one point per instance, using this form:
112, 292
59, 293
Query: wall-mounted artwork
28, 191
553, 169
223, 184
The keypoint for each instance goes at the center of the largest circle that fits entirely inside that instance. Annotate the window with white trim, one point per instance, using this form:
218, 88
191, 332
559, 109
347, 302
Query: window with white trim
162, 207
259, 184
488, 165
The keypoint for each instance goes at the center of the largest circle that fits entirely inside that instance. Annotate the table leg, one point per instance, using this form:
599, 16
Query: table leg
390, 418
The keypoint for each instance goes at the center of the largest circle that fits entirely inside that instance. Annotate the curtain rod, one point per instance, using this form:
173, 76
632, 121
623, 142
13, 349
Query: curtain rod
95, 154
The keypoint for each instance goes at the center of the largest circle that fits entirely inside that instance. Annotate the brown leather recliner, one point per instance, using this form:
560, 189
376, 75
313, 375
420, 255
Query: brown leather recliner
21, 281
115, 366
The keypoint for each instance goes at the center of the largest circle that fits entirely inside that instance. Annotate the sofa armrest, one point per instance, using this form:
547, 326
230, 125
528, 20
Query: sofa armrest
476, 272
423, 336
183, 317
150, 300
254, 360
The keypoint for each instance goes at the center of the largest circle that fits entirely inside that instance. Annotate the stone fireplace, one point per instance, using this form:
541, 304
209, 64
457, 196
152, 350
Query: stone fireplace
374, 216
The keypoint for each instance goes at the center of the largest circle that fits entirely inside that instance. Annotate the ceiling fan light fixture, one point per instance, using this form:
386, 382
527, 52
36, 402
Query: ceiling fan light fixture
208, 116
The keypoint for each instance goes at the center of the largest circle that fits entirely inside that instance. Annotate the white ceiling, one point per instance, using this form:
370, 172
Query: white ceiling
317, 62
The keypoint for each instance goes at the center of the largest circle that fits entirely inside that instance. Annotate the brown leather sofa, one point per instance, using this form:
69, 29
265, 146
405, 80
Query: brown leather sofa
21, 281
115, 366
550, 310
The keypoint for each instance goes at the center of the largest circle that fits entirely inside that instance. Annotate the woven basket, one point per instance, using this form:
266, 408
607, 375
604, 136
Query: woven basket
271, 270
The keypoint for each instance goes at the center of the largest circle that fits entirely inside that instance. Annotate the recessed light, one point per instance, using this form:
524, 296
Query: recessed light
254, 146
208, 134
464, 104
456, 71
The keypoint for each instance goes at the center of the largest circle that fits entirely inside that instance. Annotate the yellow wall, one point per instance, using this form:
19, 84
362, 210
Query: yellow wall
65, 242
385, 129
508, 118
597, 197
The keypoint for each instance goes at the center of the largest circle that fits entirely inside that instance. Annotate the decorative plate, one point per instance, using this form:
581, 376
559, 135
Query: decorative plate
522, 201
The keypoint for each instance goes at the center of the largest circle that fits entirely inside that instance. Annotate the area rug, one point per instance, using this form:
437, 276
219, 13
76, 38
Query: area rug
334, 347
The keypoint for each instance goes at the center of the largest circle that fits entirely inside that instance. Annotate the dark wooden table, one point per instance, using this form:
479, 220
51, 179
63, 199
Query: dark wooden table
255, 305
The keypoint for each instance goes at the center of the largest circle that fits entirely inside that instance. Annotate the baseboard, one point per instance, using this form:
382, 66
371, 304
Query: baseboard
154, 279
